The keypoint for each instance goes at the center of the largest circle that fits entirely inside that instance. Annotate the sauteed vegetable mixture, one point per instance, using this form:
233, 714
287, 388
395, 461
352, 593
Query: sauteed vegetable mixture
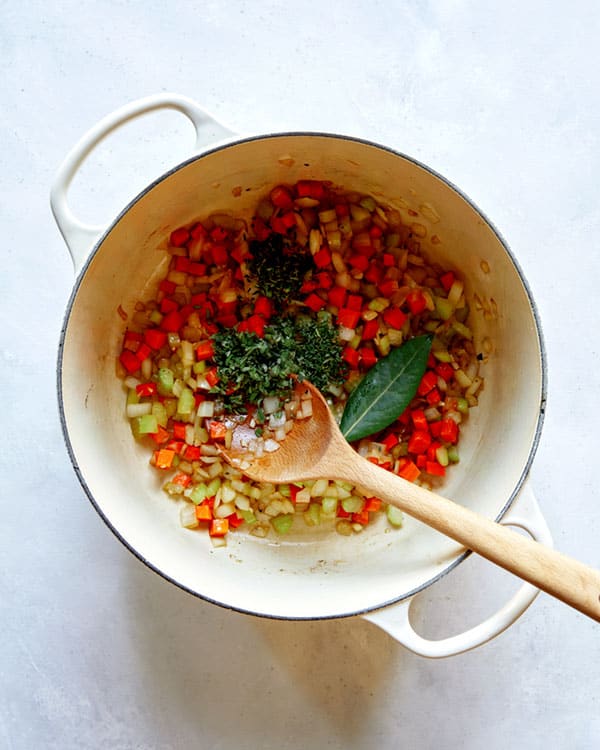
322, 284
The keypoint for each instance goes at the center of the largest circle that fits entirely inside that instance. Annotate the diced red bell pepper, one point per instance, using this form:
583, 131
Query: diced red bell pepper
419, 441
182, 479
168, 305
314, 302
351, 356
310, 189
220, 255
324, 280
435, 428
388, 287
368, 358
359, 262
146, 389
155, 338
416, 301
294, 490
212, 377
394, 317
205, 350
341, 209
433, 397
192, 452
263, 306
435, 468
428, 381
132, 340
348, 318
449, 430
218, 234
445, 371
197, 269
447, 280
179, 430
172, 321
374, 273
143, 352
161, 436
181, 263
389, 261
323, 258
198, 231
179, 237
254, 324
419, 419
370, 329
234, 520
166, 286
129, 361
390, 441
281, 197
337, 296
355, 302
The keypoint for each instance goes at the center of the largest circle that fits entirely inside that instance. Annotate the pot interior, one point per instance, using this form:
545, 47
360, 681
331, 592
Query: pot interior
308, 574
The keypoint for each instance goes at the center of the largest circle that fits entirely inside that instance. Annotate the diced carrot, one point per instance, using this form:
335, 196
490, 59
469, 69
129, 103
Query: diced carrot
217, 430
182, 479
160, 436
219, 527
372, 504
164, 458
204, 512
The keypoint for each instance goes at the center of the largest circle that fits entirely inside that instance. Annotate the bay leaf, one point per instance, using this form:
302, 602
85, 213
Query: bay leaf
386, 390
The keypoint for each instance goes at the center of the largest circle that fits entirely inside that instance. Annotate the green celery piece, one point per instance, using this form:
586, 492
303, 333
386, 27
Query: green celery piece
213, 487
199, 493
165, 381
353, 504
453, 456
132, 397
147, 424
160, 413
186, 401
329, 506
394, 516
312, 516
283, 523
247, 515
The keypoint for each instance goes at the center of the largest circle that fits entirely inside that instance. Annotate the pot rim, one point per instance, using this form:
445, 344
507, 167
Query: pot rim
249, 139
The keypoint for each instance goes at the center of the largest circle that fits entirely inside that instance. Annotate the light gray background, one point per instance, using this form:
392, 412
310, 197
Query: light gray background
98, 652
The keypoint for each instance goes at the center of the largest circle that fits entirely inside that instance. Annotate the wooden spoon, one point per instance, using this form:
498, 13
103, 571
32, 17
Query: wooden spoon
315, 448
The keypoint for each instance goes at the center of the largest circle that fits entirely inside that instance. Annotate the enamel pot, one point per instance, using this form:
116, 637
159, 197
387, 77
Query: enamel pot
307, 575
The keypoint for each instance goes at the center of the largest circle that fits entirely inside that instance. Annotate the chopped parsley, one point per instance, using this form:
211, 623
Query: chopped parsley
251, 367
279, 267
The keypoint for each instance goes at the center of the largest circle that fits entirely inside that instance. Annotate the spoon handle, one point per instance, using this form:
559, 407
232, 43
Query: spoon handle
561, 576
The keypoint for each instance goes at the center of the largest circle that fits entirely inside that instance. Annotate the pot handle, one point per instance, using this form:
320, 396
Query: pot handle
395, 620
79, 236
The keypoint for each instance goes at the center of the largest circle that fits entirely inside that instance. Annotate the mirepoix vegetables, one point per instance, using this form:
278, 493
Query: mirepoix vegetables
322, 284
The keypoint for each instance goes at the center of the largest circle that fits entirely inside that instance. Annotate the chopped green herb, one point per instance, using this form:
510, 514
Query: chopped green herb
278, 267
251, 367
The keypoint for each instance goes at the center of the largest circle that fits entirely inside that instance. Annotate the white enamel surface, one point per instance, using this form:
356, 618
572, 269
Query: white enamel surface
329, 575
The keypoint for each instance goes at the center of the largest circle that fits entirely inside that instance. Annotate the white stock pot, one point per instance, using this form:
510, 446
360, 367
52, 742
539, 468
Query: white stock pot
311, 576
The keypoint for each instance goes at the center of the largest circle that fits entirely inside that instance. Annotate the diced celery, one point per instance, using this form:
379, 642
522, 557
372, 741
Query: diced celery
441, 454
462, 330
156, 317
283, 523
160, 413
453, 456
147, 424
394, 516
462, 313
379, 304
132, 397
442, 355
165, 381
199, 493
186, 401
368, 203
462, 405
353, 504
329, 506
247, 515
170, 405
213, 487
443, 308
383, 345
199, 368
312, 516
284, 490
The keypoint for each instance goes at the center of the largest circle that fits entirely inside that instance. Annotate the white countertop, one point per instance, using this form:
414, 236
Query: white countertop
99, 652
